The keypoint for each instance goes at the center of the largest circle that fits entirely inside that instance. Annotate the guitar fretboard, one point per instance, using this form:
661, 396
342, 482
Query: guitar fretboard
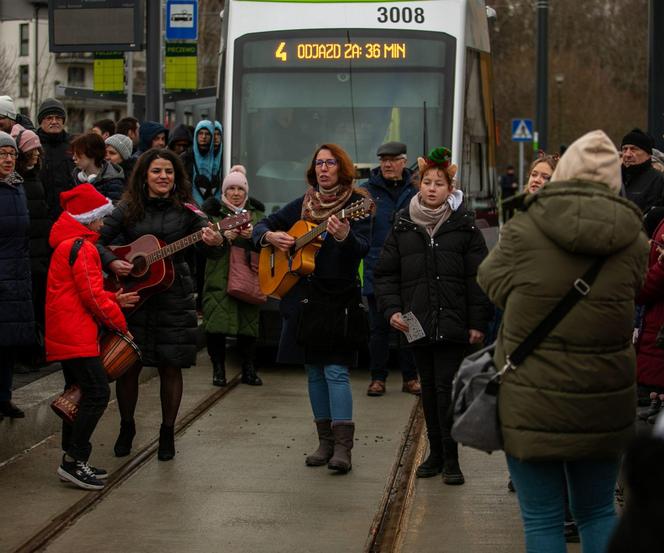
175, 247
320, 229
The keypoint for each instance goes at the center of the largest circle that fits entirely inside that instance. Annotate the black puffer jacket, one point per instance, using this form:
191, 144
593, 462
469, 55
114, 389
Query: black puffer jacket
435, 278
40, 229
57, 168
164, 327
17, 326
644, 185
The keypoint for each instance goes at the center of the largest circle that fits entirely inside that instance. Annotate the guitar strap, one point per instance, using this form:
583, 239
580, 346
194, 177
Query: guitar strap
73, 253
195, 209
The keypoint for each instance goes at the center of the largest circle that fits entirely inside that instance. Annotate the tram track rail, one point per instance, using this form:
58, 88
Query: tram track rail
62, 521
385, 533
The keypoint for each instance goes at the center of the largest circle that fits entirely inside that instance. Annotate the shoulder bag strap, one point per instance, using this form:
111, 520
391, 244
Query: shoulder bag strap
580, 289
73, 253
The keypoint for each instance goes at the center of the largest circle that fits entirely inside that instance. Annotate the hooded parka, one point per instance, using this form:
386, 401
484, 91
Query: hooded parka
434, 277
76, 302
224, 314
574, 397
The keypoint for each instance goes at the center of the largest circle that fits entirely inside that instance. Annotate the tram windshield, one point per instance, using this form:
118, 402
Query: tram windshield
358, 88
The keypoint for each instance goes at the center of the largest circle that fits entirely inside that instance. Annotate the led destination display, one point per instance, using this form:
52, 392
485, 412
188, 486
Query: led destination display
316, 51
343, 49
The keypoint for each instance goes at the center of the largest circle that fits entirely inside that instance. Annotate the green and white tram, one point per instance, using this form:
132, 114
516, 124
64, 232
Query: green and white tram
295, 74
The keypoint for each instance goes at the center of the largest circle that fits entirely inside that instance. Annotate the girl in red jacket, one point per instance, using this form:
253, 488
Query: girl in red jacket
76, 306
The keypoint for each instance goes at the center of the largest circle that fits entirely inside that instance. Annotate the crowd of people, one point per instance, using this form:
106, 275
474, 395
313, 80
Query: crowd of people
567, 414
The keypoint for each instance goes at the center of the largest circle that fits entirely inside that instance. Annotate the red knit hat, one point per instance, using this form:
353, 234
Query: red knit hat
85, 204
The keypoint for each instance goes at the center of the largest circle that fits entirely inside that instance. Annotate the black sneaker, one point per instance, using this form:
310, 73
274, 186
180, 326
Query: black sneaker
79, 473
100, 474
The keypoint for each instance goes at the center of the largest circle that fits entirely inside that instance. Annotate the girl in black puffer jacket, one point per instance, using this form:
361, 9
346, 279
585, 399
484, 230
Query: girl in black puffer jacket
428, 268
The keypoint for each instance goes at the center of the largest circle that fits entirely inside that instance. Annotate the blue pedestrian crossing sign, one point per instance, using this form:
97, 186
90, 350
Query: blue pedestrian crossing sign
522, 130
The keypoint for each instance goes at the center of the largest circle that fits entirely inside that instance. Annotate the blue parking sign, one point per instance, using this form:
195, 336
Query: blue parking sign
181, 19
522, 130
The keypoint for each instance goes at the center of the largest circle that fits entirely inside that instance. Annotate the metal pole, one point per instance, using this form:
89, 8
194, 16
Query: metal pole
153, 97
542, 122
35, 92
521, 160
130, 84
656, 73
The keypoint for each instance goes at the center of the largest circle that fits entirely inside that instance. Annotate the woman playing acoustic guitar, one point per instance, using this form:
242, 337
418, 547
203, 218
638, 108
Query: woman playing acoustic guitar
164, 326
324, 338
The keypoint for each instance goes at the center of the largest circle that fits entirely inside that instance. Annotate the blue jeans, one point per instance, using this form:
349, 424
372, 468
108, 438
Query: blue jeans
379, 347
540, 489
329, 392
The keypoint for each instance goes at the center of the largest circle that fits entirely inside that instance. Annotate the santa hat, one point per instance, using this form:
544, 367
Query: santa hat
237, 176
85, 204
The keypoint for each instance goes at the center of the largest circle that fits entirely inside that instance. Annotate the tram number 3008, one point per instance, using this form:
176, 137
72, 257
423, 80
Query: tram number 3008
400, 15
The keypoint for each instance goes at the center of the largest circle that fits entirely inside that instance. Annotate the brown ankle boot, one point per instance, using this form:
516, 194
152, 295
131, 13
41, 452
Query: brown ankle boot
343, 443
325, 445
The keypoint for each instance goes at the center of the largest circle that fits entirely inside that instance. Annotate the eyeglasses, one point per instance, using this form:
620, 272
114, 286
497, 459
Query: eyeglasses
5, 155
329, 162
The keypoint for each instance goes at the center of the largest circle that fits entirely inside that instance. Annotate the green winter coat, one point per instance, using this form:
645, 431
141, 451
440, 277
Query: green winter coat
574, 396
223, 314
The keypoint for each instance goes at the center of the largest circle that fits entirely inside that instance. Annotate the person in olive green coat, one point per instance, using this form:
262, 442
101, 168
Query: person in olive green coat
569, 408
224, 315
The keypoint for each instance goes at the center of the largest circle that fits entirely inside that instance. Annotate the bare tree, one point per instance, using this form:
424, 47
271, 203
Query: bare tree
598, 52
8, 75
209, 40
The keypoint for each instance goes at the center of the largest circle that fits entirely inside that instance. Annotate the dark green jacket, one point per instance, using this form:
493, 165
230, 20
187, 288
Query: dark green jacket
574, 396
223, 314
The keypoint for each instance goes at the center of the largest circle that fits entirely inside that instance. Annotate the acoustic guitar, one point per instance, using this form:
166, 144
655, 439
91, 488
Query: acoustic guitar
153, 270
278, 271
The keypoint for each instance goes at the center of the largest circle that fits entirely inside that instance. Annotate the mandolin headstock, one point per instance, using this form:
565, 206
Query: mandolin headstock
233, 221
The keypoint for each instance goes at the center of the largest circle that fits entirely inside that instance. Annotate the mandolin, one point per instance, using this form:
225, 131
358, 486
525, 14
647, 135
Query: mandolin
153, 269
278, 271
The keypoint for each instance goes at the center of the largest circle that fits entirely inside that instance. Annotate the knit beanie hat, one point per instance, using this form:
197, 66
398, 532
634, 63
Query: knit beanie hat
7, 108
237, 176
122, 144
7, 140
640, 139
51, 106
85, 204
26, 140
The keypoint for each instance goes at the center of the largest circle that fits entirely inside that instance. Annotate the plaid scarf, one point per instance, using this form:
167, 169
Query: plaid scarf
317, 206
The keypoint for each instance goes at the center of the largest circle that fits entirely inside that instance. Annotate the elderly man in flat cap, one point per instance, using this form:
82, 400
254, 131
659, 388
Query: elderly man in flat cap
390, 187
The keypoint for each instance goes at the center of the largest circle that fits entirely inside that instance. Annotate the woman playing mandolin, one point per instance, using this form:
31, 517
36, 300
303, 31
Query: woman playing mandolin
323, 338
157, 202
